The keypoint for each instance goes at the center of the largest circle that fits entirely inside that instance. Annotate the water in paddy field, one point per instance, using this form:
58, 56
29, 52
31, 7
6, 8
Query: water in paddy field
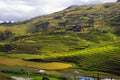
21, 78
73, 78
90, 78
76, 75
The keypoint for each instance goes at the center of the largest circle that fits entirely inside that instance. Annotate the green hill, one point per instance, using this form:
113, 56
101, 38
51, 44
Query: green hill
99, 18
74, 28
88, 36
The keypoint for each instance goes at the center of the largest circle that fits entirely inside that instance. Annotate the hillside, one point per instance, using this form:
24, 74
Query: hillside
100, 17
86, 37
74, 28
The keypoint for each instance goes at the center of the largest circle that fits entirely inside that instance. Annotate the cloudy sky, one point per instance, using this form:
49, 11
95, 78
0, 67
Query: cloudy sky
15, 10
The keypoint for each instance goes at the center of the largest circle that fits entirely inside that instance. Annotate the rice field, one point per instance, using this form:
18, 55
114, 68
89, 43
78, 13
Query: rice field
46, 66
86, 52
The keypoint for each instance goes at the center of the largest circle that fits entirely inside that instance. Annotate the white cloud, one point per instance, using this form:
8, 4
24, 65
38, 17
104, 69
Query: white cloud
108, 1
25, 9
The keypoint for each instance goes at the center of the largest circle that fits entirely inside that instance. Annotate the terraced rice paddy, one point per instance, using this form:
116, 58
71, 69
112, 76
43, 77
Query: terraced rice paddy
47, 66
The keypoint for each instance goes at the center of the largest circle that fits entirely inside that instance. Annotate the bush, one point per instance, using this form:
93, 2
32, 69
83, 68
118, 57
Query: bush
6, 48
45, 78
5, 35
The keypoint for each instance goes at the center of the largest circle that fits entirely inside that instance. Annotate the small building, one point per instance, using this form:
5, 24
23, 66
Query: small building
76, 28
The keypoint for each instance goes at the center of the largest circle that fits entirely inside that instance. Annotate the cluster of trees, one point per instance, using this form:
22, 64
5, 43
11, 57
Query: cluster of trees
5, 34
38, 27
7, 23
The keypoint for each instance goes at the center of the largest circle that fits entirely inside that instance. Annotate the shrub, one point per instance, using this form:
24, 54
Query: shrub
5, 35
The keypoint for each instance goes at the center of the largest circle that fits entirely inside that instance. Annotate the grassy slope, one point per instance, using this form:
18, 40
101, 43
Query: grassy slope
92, 53
48, 66
101, 58
93, 49
103, 15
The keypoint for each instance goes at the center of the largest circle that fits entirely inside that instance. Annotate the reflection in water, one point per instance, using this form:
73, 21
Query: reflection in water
20, 78
90, 78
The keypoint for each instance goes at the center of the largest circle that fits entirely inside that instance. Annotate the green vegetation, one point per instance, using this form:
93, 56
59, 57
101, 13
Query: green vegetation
4, 77
6, 34
35, 77
47, 66
86, 38
99, 18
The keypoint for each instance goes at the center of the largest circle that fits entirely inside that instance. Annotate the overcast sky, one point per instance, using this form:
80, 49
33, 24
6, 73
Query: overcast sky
15, 10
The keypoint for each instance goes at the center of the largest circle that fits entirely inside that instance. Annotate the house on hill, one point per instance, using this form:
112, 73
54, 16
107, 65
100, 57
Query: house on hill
76, 28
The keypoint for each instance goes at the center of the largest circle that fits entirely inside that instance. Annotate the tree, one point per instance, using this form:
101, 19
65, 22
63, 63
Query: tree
1, 35
6, 34
45, 78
